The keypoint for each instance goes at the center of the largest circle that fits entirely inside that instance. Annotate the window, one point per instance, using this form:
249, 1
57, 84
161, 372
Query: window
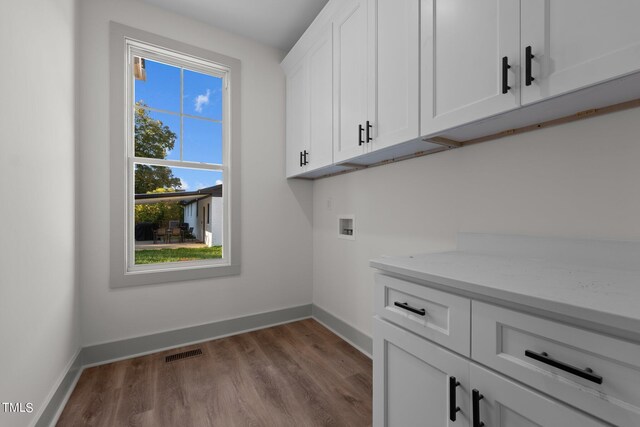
175, 146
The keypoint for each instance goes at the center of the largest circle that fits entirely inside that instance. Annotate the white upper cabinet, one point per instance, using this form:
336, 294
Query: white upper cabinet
577, 43
394, 72
369, 78
470, 61
297, 126
350, 79
309, 121
481, 58
320, 62
377, 71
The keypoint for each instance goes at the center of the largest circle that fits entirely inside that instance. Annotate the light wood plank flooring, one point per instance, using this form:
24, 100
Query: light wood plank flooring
298, 374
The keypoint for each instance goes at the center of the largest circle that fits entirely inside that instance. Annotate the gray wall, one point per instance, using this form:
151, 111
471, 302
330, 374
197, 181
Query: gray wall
576, 180
276, 214
38, 293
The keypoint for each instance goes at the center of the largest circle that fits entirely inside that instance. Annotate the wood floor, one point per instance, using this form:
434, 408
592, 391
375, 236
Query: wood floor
298, 374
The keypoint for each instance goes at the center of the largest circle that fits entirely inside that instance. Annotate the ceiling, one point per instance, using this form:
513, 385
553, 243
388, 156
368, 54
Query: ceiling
277, 23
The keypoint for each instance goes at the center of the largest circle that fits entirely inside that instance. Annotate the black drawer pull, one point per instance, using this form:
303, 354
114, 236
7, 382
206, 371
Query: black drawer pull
369, 138
476, 397
528, 56
360, 130
419, 311
453, 407
586, 373
505, 75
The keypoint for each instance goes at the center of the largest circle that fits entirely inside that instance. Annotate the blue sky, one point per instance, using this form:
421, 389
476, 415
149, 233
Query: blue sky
202, 98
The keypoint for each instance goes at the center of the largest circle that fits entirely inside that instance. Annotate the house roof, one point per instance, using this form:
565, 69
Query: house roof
181, 197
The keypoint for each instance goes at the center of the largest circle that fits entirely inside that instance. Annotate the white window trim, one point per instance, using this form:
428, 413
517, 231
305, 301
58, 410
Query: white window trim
123, 272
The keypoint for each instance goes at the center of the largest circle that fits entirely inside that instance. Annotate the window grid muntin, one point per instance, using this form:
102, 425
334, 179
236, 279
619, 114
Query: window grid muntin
191, 116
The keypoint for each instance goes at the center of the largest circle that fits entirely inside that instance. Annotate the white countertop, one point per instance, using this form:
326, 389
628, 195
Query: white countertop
589, 283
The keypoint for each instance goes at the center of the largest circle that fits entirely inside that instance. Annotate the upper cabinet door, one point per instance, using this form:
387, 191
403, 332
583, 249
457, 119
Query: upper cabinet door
577, 43
297, 118
394, 71
467, 48
350, 79
320, 60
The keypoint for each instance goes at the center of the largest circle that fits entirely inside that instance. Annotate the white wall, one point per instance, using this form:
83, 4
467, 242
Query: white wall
576, 180
214, 228
276, 214
38, 294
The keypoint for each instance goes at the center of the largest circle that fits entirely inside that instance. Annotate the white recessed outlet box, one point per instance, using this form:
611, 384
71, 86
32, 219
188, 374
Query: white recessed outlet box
347, 227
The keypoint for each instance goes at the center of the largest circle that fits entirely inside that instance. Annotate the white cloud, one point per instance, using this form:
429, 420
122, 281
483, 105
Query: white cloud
184, 184
202, 100
218, 181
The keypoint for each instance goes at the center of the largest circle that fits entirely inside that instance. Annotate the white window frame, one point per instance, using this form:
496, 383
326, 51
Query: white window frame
127, 42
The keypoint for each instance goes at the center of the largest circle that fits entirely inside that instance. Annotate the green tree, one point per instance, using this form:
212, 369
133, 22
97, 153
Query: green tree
160, 212
154, 140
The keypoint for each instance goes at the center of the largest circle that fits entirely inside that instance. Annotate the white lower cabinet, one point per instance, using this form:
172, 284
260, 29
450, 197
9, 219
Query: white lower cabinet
500, 402
417, 382
597, 373
411, 381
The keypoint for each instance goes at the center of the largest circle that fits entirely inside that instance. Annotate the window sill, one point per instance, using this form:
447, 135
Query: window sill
150, 277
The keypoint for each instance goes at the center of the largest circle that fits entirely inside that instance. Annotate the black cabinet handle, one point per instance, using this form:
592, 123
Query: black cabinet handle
404, 305
301, 164
586, 373
369, 138
528, 78
453, 407
306, 160
505, 75
360, 130
476, 397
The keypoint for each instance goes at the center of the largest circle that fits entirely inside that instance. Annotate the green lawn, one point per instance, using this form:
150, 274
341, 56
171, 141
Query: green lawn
154, 256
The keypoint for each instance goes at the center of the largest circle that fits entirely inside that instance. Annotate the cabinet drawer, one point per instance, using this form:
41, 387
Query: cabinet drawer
596, 373
506, 403
439, 316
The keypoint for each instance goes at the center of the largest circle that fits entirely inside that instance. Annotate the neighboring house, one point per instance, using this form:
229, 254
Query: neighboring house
205, 216
202, 210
